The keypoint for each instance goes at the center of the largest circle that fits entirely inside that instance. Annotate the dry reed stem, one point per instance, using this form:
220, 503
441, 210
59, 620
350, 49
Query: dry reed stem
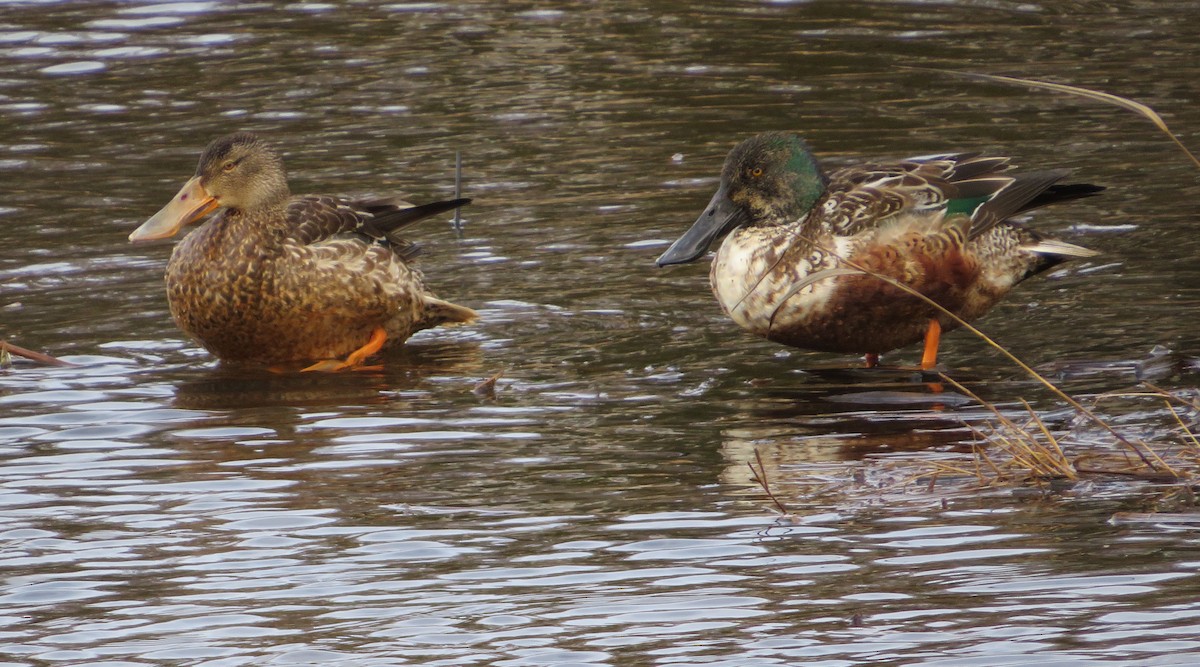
1170, 400
486, 388
946, 466
1187, 432
1096, 95
1052, 458
1174, 397
981, 455
1058, 452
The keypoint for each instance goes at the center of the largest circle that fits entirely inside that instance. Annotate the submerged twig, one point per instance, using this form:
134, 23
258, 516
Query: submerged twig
458, 224
760, 477
487, 388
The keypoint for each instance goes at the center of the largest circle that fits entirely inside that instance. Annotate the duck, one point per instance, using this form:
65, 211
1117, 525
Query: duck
804, 249
273, 278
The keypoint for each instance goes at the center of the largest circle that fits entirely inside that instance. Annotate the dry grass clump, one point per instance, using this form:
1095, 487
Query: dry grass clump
1024, 450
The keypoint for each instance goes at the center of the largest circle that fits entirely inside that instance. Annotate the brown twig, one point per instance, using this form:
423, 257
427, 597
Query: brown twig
486, 388
31, 355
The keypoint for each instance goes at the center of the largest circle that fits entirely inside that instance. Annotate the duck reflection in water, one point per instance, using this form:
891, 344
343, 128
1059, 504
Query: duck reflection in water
230, 387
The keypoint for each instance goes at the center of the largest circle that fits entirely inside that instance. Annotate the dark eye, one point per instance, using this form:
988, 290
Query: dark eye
228, 166
756, 172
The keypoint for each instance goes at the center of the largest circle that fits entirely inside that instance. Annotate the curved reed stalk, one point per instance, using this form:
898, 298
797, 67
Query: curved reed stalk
1097, 95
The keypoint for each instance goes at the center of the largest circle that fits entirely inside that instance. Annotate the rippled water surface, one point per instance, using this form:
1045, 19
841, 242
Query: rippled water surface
158, 509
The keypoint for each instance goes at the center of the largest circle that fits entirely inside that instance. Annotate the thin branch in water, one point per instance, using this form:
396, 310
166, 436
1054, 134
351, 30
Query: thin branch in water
458, 224
19, 351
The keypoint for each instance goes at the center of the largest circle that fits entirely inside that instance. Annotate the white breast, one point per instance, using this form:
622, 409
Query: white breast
750, 288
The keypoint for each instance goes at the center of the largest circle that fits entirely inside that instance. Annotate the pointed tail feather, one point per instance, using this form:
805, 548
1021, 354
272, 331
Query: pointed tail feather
439, 312
1052, 252
1059, 193
1060, 249
392, 222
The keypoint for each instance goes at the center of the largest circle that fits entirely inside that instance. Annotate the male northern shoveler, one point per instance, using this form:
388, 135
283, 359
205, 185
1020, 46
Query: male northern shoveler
275, 278
789, 269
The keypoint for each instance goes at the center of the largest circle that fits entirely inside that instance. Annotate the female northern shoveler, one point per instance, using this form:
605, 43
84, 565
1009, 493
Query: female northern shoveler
938, 224
274, 278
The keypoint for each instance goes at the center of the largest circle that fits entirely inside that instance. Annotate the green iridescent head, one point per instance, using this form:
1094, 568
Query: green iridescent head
768, 179
774, 177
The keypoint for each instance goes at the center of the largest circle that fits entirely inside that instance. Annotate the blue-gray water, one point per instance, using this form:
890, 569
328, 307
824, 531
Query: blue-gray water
156, 509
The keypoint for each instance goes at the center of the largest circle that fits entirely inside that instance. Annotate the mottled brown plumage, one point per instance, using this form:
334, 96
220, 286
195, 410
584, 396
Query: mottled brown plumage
937, 224
274, 278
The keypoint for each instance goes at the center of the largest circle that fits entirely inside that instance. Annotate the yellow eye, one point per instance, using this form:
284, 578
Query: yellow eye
756, 172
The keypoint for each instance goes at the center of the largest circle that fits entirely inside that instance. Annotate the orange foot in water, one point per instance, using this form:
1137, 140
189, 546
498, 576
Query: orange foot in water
378, 338
933, 336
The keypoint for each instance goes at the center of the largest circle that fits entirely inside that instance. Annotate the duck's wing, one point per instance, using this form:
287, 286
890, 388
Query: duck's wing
316, 218
864, 196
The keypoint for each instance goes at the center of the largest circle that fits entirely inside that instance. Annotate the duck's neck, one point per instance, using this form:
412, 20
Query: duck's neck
266, 220
233, 232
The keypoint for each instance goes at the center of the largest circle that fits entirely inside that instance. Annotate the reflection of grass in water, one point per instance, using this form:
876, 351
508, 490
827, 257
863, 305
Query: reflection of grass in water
1020, 451
1013, 449
760, 477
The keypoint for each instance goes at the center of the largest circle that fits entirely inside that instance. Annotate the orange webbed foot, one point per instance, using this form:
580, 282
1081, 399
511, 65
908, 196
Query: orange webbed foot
356, 358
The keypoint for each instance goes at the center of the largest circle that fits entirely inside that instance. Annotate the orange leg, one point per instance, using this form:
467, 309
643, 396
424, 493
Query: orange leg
932, 337
378, 338
871, 359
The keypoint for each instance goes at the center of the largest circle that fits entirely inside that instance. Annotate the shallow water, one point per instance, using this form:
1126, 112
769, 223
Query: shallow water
158, 509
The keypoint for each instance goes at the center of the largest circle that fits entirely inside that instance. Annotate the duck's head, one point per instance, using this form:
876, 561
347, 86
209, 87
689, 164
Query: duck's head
239, 172
771, 178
